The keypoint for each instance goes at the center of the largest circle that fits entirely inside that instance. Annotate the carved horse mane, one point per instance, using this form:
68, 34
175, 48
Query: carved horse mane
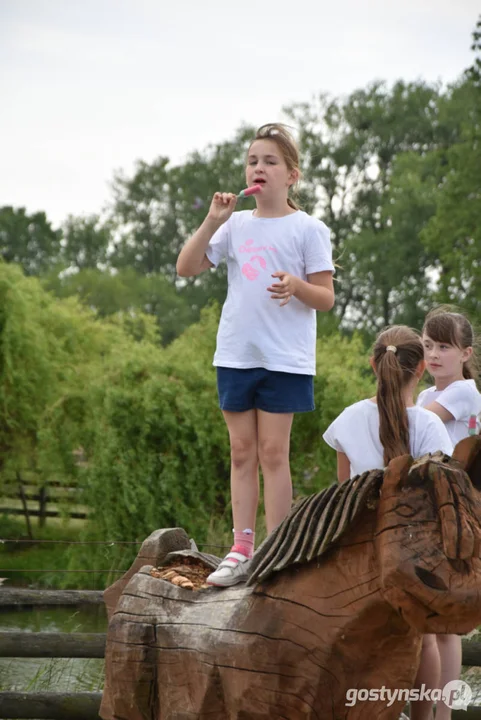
316, 522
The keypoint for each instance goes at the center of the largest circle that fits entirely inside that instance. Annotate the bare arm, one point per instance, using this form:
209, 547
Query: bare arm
438, 409
192, 259
343, 467
317, 292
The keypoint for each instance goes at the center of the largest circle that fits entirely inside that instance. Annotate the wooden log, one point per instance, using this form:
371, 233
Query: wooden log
51, 706
52, 645
92, 645
20, 597
154, 550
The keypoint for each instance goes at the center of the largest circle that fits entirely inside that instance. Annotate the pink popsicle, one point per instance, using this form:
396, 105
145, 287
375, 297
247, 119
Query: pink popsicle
249, 191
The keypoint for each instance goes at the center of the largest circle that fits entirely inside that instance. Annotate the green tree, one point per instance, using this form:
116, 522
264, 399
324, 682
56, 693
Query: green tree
130, 296
28, 240
351, 148
454, 231
85, 242
49, 350
144, 219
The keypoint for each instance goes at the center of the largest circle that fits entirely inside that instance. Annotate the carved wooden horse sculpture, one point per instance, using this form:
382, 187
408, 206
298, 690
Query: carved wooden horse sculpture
339, 597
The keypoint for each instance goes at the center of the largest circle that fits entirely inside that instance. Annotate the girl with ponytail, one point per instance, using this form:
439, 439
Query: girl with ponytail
370, 433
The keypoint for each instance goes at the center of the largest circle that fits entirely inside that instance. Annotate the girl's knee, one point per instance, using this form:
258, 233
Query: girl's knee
273, 454
243, 452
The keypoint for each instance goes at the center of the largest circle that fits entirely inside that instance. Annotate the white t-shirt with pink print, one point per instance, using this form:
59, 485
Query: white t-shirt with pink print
254, 330
462, 399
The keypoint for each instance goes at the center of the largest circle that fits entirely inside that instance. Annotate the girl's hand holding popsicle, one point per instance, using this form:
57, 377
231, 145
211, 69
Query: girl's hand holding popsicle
223, 204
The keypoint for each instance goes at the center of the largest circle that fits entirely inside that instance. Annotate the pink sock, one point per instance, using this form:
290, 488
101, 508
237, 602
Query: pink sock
244, 542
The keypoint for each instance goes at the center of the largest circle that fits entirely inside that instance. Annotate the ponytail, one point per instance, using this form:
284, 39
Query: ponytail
393, 417
397, 353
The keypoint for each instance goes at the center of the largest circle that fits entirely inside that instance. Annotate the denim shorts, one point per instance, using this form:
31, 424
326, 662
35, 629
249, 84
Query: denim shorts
261, 389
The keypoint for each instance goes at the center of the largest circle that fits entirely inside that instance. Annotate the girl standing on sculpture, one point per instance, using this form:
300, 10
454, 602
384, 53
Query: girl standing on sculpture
370, 433
279, 263
449, 341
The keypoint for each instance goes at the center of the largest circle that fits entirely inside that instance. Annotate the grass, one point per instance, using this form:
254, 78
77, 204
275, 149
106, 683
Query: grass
43, 565
53, 675
20, 562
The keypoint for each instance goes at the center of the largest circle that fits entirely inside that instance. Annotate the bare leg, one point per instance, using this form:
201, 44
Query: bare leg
244, 480
274, 432
428, 675
450, 652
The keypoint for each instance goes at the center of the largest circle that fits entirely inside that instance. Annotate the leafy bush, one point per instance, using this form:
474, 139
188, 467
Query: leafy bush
154, 445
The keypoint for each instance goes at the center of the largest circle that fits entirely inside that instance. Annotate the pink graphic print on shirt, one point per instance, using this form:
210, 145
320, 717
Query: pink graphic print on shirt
248, 269
251, 272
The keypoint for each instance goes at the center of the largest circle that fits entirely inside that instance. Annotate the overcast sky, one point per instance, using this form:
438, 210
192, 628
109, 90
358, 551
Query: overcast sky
87, 88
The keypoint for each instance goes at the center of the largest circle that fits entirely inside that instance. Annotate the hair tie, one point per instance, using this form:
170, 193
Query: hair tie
392, 348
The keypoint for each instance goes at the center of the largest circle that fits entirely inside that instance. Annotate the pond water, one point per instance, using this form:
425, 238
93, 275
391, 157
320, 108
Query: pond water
53, 674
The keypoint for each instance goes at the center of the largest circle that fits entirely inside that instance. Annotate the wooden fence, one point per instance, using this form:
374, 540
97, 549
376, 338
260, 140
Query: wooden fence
32, 501
85, 705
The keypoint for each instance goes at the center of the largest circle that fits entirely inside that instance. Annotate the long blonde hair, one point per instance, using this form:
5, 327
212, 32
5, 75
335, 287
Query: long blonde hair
278, 133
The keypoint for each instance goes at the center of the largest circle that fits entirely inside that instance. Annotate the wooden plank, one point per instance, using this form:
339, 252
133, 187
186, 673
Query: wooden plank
18, 597
51, 706
9, 490
90, 645
59, 499
47, 513
25, 508
52, 645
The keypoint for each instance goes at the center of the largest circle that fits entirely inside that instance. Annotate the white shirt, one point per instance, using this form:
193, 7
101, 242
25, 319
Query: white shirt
461, 399
254, 330
356, 433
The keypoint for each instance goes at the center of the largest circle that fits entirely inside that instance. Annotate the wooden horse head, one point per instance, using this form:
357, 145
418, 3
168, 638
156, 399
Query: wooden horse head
429, 539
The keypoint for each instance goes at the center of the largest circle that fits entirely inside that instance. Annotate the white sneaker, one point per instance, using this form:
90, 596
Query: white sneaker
233, 569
